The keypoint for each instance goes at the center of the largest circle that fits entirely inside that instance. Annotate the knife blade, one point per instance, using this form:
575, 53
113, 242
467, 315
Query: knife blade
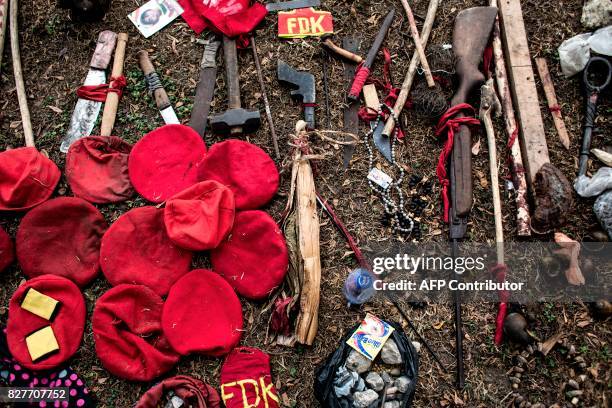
291, 5
85, 111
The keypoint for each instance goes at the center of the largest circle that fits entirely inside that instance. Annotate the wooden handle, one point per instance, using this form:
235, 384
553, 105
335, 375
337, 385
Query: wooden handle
551, 98
112, 98
342, 52
3, 19
414, 31
145, 62
18, 72
161, 97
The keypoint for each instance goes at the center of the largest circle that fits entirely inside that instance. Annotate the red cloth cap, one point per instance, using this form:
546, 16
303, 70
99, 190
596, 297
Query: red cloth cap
165, 162
67, 325
200, 217
202, 315
97, 169
254, 257
229, 17
127, 330
61, 237
195, 393
7, 250
27, 178
246, 169
246, 380
137, 250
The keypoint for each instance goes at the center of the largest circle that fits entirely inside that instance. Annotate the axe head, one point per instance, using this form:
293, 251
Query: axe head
302, 82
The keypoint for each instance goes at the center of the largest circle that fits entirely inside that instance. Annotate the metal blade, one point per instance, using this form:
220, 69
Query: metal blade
169, 116
85, 113
292, 4
382, 142
350, 114
205, 88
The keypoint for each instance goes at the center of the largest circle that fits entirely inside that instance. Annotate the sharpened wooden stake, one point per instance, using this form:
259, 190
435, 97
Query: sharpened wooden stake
112, 98
551, 98
264, 95
18, 72
414, 31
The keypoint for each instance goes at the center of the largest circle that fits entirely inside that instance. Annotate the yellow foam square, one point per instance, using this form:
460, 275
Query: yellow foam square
39, 304
41, 342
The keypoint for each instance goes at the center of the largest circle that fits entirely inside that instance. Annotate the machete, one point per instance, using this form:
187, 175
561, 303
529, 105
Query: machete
351, 111
206, 87
291, 5
86, 112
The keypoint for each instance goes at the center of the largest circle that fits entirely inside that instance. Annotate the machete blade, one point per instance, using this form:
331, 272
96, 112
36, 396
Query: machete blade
351, 112
382, 142
291, 5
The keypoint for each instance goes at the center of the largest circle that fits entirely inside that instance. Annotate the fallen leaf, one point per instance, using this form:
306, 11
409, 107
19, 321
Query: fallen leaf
439, 325
476, 148
55, 109
457, 400
286, 401
583, 323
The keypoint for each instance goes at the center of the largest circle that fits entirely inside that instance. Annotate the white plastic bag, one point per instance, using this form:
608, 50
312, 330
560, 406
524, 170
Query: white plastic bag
601, 41
594, 186
574, 54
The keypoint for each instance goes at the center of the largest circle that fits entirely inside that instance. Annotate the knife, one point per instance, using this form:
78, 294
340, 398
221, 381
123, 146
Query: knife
157, 89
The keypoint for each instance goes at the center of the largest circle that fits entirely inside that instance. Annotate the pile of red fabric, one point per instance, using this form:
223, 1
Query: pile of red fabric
195, 393
229, 17
7, 250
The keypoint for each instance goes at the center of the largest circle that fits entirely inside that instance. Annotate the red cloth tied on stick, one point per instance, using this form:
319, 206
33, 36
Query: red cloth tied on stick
200, 217
499, 273
67, 325
202, 314
98, 92
7, 250
194, 392
127, 331
229, 17
165, 162
137, 250
359, 81
27, 178
246, 380
243, 167
61, 237
448, 125
97, 169
254, 258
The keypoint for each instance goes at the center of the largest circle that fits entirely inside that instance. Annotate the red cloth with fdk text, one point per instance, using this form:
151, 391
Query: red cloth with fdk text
229, 17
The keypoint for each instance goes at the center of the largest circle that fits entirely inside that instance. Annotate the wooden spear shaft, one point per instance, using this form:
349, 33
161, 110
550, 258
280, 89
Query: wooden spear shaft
414, 63
414, 31
18, 72
551, 98
3, 18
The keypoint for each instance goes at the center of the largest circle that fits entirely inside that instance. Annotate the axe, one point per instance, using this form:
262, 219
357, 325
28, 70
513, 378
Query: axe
304, 84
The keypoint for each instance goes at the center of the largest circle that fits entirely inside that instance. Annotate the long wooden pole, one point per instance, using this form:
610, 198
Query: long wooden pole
414, 31
112, 98
551, 98
18, 72
3, 19
409, 78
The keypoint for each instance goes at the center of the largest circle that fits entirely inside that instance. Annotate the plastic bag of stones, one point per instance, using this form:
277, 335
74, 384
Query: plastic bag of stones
349, 380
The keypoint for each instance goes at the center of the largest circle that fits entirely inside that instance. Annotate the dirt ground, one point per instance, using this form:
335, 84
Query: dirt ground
55, 55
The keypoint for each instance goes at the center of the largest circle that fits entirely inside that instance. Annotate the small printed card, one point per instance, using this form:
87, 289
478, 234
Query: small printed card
155, 15
379, 177
370, 336
305, 22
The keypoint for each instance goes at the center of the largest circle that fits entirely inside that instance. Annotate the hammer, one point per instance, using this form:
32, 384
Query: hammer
327, 42
304, 84
235, 120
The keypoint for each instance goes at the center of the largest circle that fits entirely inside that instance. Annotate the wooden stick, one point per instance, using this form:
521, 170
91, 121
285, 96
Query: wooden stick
112, 98
523, 219
551, 98
414, 31
3, 19
409, 78
18, 72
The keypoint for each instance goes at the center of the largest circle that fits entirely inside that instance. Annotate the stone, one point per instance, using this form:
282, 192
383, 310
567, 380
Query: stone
386, 378
392, 391
390, 353
603, 211
417, 346
358, 362
396, 372
344, 382
596, 13
402, 384
363, 399
361, 386
375, 381
392, 404
573, 384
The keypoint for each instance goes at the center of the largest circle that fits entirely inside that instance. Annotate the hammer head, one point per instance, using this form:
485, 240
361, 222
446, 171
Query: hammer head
303, 82
235, 121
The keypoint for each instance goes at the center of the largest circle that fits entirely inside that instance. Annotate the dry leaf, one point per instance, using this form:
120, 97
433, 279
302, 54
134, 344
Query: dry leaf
549, 344
439, 325
55, 109
476, 148
583, 323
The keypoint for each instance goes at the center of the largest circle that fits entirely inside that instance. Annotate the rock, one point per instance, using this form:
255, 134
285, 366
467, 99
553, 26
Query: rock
363, 399
357, 362
386, 377
573, 384
538, 405
392, 404
360, 385
402, 384
515, 380
554, 199
575, 401
596, 13
390, 353
515, 386
396, 372
417, 346
375, 381
574, 393
603, 211
344, 382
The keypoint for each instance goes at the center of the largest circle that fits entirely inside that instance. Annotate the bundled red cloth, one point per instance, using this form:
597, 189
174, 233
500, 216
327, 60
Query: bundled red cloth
202, 315
195, 393
27, 178
7, 250
61, 237
137, 250
254, 258
67, 325
246, 380
229, 17
127, 330
199, 217
97, 169
246, 169
165, 162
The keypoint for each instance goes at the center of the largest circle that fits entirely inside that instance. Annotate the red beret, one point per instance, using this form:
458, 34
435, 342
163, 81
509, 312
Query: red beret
7, 250
243, 167
61, 237
27, 178
137, 250
201, 216
202, 315
67, 325
127, 330
165, 162
97, 169
254, 257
